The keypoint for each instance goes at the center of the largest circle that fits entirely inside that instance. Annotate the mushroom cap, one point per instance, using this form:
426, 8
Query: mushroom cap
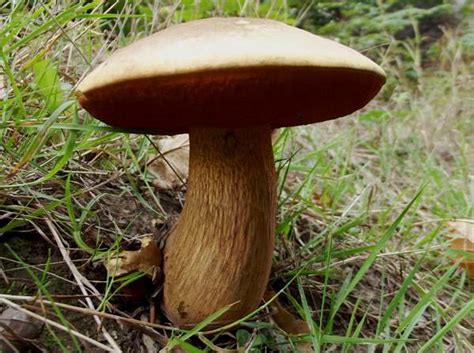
228, 73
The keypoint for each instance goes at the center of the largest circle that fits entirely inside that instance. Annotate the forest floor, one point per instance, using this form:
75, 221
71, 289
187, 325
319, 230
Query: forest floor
368, 205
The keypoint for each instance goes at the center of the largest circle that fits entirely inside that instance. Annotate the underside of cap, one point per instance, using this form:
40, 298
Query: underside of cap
279, 76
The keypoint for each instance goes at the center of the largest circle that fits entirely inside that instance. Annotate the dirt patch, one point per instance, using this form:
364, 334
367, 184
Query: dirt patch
32, 265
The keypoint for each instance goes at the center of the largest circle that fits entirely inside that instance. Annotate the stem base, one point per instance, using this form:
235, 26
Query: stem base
220, 251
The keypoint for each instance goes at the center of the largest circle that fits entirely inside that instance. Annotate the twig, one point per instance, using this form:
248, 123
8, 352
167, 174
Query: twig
80, 281
55, 324
85, 311
8, 343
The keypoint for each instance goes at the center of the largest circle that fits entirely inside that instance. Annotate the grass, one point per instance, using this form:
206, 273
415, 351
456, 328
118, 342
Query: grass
362, 238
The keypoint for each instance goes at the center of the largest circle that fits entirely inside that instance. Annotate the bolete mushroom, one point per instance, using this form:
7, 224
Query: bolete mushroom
227, 82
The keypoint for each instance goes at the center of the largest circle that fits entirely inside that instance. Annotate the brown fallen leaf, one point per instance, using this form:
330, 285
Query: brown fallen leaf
17, 329
463, 240
145, 259
170, 168
287, 322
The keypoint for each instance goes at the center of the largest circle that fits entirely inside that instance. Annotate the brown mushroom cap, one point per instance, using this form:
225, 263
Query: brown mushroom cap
229, 73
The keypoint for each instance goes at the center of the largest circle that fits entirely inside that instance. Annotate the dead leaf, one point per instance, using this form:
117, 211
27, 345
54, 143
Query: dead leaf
17, 329
288, 322
150, 345
462, 239
170, 168
146, 259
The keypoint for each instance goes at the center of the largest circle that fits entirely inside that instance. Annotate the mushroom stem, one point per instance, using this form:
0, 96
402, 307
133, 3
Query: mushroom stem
220, 251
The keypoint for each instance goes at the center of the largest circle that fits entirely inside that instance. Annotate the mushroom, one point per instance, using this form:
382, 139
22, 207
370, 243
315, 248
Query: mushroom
227, 82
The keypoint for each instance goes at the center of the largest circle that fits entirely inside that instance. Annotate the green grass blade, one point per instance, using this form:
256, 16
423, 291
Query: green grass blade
48, 83
199, 327
315, 336
384, 321
372, 256
461, 314
41, 137
406, 326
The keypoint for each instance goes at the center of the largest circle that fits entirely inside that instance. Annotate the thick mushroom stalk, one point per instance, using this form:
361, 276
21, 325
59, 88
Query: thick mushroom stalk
220, 251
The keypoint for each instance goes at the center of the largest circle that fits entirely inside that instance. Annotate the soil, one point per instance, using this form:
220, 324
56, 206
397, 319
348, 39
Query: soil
28, 262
